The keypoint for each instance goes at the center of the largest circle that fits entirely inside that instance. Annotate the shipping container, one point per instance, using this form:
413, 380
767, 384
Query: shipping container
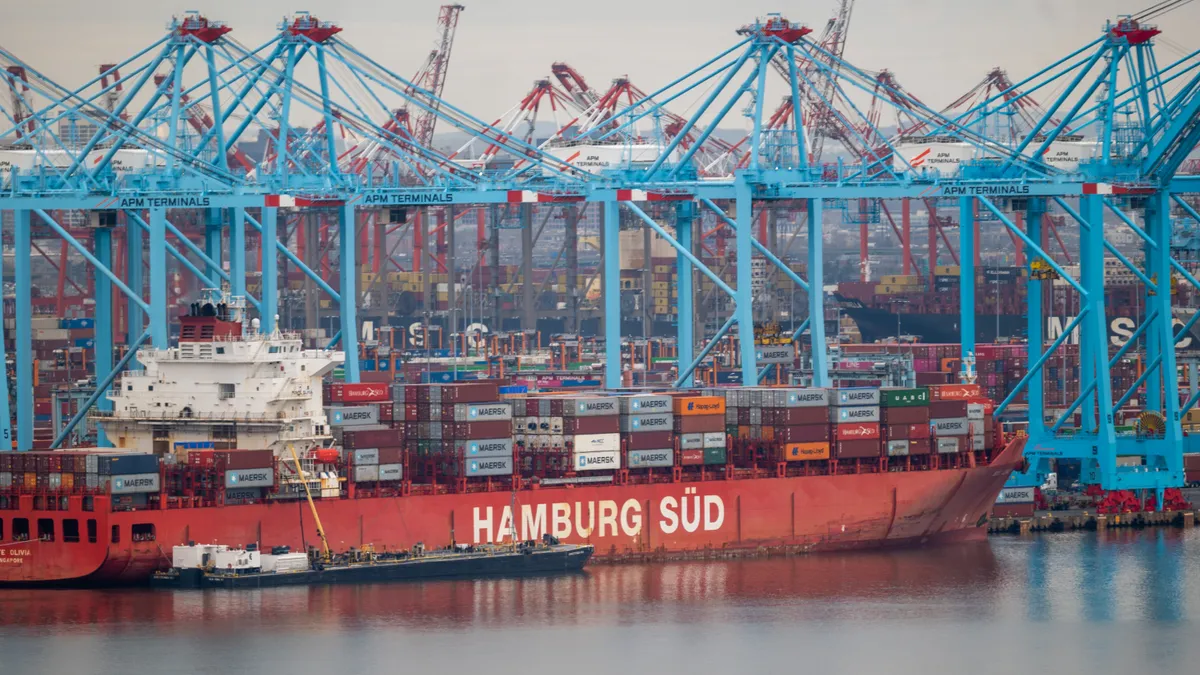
691, 457
645, 403
595, 443
859, 449
958, 426
800, 452
854, 414
857, 396
808, 433
596, 461
589, 406
365, 456
649, 422
689, 406
805, 398
649, 440
650, 459
136, 483
691, 441
391, 472
484, 448
482, 412
897, 398
357, 416
258, 477
857, 431
691, 424
366, 473
897, 448
948, 445
489, 466
363, 392
715, 455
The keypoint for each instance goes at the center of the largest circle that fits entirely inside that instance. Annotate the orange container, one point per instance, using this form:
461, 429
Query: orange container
802, 452
68, 481
699, 405
30, 481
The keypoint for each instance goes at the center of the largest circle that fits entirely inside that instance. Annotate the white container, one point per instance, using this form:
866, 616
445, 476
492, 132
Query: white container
645, 403
1023, 495
653, 422
855, 414
596, 461
714, 439
857, 396
391, 472
947, 446
482, 412
489, 466
897, 448
691, 441
368, 473
595, 442
954, 426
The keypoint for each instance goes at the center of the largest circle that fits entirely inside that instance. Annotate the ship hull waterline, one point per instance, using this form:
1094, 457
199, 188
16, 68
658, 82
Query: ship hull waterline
661, 521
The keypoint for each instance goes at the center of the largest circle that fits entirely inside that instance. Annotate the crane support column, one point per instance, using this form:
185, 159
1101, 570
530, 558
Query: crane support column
611, 292
647, 282
102, 248
237, 251
966, 279
213, 230
269, 303
348, 290
572, 252
816, 294
1036, 323
1158, 222
528, 303
24, 334
1093, 339
744, 309
685, 342
159, 321
135, 324
451, 275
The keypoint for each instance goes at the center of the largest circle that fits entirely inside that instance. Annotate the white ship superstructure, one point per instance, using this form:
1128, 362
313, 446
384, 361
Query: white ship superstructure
219, 385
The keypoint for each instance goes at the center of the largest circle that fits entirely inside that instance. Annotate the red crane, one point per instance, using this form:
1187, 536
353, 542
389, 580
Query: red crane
432, 77
18, 87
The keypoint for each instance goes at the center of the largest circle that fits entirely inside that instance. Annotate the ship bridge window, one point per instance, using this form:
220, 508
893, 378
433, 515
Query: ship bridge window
225, 391
274, 349
71, 530
45, 530
220, 350
20, 529
143, 532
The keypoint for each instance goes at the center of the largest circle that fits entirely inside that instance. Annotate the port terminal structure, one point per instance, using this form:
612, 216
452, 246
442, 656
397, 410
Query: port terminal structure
145, 157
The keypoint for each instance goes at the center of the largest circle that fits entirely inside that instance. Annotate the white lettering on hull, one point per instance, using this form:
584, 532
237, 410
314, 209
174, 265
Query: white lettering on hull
604, 518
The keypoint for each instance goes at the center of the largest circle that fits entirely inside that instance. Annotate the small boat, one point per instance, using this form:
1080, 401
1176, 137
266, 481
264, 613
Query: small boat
215, 566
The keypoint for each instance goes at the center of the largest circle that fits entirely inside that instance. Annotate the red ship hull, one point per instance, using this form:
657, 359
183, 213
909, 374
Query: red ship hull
655, 521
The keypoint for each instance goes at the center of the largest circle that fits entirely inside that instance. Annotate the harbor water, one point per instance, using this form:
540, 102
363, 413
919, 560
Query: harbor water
1100, 603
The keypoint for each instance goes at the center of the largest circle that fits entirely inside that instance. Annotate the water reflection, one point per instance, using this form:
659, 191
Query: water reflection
1108, 601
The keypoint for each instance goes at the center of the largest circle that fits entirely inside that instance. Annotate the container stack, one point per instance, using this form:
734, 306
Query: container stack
591, 430
948, 417
799, 419
855, 418
701, 419
647, 432
460, 430
374, 455
905, 421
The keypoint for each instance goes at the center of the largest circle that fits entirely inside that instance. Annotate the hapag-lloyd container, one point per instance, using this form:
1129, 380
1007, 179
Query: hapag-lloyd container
802, 452
689, 406
651, 459
596, 461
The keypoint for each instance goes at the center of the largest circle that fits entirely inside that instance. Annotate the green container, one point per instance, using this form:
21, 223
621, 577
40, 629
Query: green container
904, 398
663, 359
731, 430
714, 455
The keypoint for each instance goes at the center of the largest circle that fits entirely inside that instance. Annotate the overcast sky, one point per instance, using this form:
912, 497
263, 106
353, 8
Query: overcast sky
937, 48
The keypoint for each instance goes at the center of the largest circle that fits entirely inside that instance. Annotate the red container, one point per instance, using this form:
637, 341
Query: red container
385, 411
919, 446
859, 449
609, 424
202, 458
470, 392
797, 416
954, 392
857, 431
372, 438
362, 392
691, 457
478, 430
393, 455
235, 460
893, 416
647, 440
947, 409
695, 424
804, 433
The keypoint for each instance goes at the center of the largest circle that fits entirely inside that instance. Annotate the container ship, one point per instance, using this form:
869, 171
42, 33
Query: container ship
929, 311
205, 431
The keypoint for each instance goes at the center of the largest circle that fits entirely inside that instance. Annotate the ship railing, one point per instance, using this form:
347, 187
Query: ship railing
278, 416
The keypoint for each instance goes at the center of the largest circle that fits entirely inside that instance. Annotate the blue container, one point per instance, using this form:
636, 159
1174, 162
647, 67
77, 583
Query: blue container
367, 365
729, 377
194, 445
124, 465
514, 389
85, 343
76, 324
441, 377
385, 365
